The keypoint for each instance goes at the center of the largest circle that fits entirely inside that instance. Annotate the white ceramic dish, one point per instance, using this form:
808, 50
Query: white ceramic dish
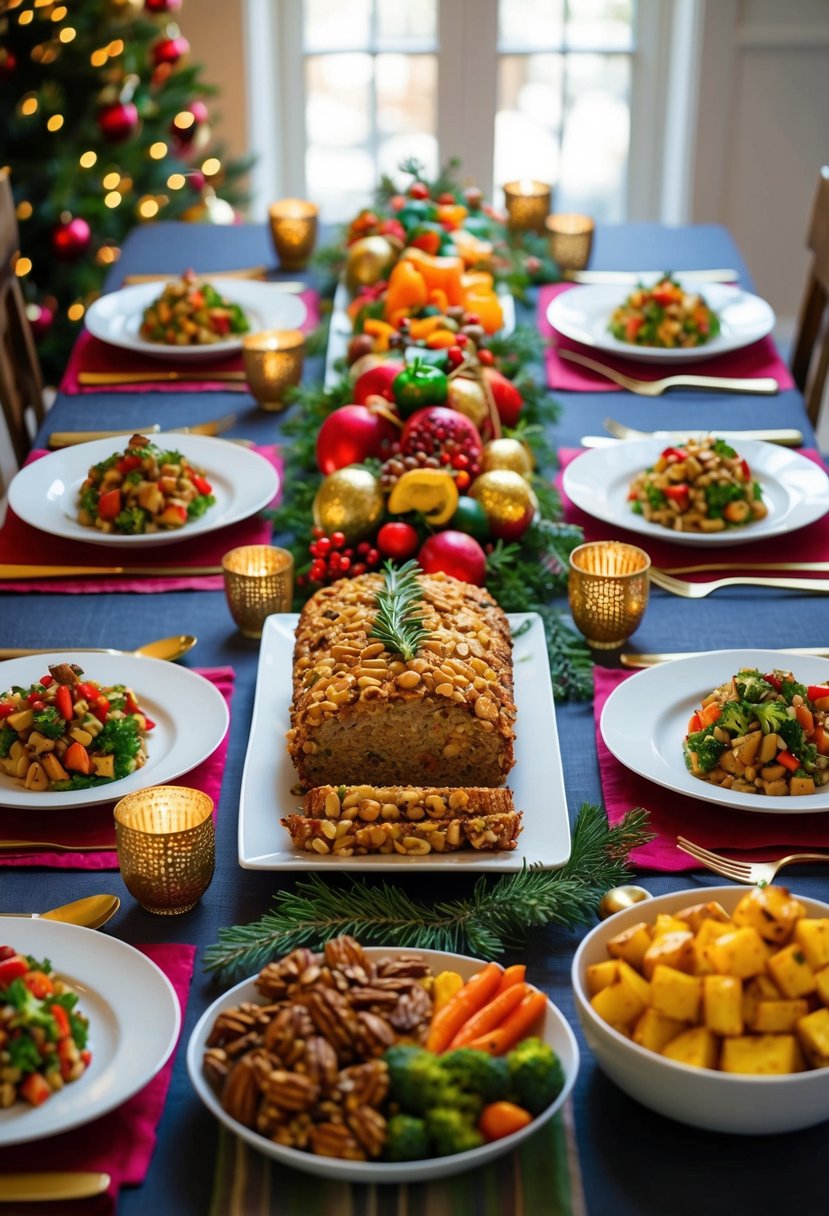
795, 490
583, 314
555, 1032
45, 493
715, 1101
645, 720
116, 987
341, 331
116, 317
189, 712
537, 779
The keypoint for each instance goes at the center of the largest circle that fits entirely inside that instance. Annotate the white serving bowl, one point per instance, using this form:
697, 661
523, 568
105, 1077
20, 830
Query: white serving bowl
555, 1032
715, 1101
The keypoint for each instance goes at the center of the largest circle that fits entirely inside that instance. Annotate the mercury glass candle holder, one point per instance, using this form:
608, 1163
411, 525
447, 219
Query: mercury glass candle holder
294, 231
570, 239
528, 204
166, 847
608, 591
273, 363
259, 580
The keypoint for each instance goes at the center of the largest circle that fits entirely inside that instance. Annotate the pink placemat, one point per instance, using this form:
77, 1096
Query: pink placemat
759, 359
22, 544
87, 825
804, 545
120, 1143
671, 814
92, 355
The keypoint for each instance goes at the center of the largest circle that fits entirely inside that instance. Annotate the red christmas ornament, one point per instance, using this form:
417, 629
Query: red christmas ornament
351, 434
170, 51
70, 240
162, 6
8, 64
398, 540
508, 400
184, 136
443, 432
456, 554
118, 121
376, 382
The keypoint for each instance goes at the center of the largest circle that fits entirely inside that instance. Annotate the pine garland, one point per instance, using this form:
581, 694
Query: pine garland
499, 912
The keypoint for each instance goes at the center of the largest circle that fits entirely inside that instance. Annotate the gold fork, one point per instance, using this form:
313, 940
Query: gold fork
698, 591
655, 388
49, 846
749, 872
785, 436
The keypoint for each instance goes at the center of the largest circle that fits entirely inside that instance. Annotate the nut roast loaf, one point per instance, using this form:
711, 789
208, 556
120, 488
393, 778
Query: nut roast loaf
362, 714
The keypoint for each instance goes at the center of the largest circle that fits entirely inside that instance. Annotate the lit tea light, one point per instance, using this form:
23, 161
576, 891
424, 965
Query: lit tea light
259, 580
273, 363
528, 204
569, 239
607, 589
294, 231
166, 846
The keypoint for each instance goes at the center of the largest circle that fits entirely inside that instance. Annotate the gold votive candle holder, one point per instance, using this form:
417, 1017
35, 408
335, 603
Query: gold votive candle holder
259, 580
570, 239
166, 847
273, 363
608, 591
527, 203
294, 231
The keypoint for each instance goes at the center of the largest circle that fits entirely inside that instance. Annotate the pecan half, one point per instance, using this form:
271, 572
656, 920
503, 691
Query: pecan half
287, 1032
320, 1062
413, 1010
240, 1096
411, 965
344, 950
369, 1126
364, 1084
232, 1024
276, 979
291, 1090
216, 1066
333, 1017
374, 1034
372, 998
335, 1140
294, 1134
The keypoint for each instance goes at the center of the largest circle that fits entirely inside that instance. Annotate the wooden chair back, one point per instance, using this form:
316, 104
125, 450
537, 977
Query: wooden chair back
21, 384
810, 349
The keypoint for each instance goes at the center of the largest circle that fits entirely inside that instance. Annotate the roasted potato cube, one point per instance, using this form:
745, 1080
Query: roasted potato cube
772, 911
36, 778
675, 994
791, 972
638, 985
761, 988
748, 750
619, 1005
762, 1054
777, 1017
104, 766
631, 944
768, 749
654, 1030
813, 938
668, 924
722, 1003
21, 721
822, 984
54, 769
601, 975
707, 933
741, 952
696, 1046
801, 785
695, 914
813, 1033
676, 949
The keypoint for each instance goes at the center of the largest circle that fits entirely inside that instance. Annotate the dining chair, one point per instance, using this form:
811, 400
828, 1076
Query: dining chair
21, 384
810, 347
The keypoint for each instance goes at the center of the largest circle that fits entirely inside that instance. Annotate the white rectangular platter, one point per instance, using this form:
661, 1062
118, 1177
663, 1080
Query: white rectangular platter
537, 779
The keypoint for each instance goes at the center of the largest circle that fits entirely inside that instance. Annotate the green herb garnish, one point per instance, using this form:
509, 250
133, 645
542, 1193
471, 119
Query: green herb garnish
399, 621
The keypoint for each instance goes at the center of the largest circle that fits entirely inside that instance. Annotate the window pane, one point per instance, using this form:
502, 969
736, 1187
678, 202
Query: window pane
338, 162
332, 24
406, 111
530, 23
406, 21
528, 122
605, 24
596, 136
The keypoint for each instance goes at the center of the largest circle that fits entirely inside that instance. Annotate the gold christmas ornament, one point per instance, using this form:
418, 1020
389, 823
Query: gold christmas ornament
619, 898
349, 501
369, 260
507, 454
508, 501
124, 10
468, 398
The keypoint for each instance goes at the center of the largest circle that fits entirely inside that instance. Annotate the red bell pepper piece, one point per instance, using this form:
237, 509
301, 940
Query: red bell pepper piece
201, 483
7, 952
87, 691
816, 692
746, 470
62, 1018
34, 695
12, 969
127, 463
6, 709
220, 323
35, 1089
774, 680
680, 494
39, 984
109, 504
788, 761
632, 327
674, 455
63, 701
86, 1056
46, 681
197, 299
100, 709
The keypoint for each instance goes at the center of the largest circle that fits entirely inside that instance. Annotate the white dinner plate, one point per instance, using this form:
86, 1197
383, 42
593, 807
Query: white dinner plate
583, 314
341, 330
189, 712
116, 317
134, 1021
45, 493
556, 1032
537, 779
795, 490
645, 720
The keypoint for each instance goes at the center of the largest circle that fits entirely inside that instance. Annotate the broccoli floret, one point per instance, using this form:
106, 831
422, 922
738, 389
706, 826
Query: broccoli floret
199, 505
771, 715
708, 749
49, 722
121, 738
789, 688
451, 1131
655, 496
723, 449
416, 1080
7, 738
536, 1075
132, 520
752, 685
406, 1139
719, 495
477, 1072
808, 758
736, 717
791, 732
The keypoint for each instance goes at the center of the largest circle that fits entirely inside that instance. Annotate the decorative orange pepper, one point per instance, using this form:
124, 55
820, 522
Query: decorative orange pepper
439, 273
487, 307
451, 215
406, 292
380, 331
472, 249
440, 339
437, 299
424, 326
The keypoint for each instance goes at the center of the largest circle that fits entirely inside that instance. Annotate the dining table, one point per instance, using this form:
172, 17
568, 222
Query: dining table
629, 1161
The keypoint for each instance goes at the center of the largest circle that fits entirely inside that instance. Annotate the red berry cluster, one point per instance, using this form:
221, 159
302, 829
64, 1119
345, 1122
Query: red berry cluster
333, 560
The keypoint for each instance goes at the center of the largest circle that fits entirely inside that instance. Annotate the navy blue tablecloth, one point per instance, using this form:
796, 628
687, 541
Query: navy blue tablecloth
634, 1163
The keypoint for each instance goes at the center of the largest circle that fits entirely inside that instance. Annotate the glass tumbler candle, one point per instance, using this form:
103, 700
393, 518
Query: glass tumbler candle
569, 239
259, 580
273, 363
166, 847
608, 591
294, 231
527, 203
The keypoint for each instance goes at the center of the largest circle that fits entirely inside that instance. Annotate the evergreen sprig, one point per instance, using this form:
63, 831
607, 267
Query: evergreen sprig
399, 620
498, 913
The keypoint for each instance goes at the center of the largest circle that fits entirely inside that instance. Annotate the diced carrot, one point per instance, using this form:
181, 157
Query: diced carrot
709, 714
512, 975
77, 759
806, 719
516, 1026
821, 740
694, 724
501, 1119
35, 1089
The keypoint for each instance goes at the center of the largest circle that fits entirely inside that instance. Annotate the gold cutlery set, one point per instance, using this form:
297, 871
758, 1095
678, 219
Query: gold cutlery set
762, 385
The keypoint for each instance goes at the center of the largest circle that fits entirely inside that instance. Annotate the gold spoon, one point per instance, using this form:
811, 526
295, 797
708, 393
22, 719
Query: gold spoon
91, 912
163, 648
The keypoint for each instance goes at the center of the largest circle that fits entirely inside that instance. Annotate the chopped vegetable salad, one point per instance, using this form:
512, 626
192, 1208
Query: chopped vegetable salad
190, 312
664, 315
762, 734
703, 485
68, 733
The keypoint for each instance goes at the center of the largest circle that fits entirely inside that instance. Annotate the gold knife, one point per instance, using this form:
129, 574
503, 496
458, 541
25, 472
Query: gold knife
653, 660
104, 378
16, 571
713, 566
65, 439
780, 435
51, 1185
246, 272
725, 275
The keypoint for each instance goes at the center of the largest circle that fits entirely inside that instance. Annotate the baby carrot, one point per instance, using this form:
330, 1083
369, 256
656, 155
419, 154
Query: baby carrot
473, 996
515, 1026
492, 1015
512, 975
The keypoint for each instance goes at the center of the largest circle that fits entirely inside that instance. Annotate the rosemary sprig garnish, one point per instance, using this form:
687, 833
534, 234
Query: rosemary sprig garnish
498, 912
399, 623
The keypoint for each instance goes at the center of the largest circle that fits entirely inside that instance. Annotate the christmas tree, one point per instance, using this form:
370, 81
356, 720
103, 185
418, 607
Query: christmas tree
105, 125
